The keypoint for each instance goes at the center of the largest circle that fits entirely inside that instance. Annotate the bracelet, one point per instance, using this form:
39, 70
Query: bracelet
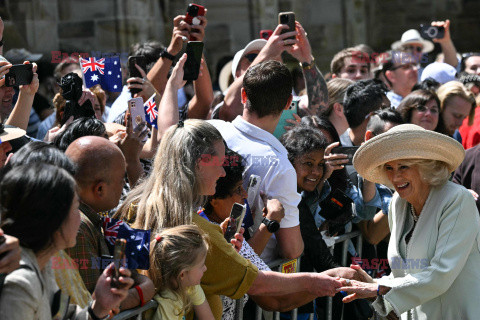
140, 295
165, 54
93, 315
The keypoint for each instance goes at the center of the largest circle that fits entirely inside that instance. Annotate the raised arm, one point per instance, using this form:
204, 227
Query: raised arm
448, 48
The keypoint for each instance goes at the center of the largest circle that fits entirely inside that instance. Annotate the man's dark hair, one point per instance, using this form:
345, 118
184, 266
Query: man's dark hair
39, 151
37, 197
268, 86
302, 140
429, 84
150, 49
80, 128
362, 98
380, 118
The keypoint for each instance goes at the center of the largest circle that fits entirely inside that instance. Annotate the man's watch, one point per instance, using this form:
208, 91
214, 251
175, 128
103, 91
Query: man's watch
272, 225
165, 54
93, 315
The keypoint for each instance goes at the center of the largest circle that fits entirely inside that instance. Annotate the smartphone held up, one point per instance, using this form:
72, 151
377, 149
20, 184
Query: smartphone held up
287, 18
194, 58
118, 258
194, 11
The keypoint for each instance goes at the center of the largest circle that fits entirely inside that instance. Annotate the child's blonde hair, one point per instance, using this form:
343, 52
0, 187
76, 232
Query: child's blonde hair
172, 251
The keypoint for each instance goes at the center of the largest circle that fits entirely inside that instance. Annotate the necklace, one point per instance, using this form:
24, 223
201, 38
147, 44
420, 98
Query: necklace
412, 212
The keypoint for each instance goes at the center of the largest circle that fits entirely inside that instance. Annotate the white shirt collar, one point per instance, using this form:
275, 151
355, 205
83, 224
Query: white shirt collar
257, 133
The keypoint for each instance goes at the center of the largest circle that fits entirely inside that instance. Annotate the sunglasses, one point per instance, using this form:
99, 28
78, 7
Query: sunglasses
251, 56
470, 54
424, 109
413, 48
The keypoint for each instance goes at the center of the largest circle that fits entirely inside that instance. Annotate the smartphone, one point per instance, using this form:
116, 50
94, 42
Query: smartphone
194, 58
430, 32
349, 151
253, 187
287, 18
19, 74
265, 34
236, 218
141, 61
193, 11
118, 255
137, 111
286, 114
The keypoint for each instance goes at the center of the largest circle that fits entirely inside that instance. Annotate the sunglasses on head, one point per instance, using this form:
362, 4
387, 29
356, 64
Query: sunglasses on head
251, 56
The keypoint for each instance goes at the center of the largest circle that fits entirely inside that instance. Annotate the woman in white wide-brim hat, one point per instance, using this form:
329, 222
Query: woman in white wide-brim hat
434, 248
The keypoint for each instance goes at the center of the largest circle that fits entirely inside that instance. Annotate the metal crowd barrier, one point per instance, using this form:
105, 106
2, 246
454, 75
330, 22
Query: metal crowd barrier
276, 266
136, 312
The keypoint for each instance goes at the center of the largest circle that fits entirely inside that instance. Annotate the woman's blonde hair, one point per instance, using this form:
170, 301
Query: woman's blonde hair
169, 196
172, 251
433, 172
336, 92
452, 89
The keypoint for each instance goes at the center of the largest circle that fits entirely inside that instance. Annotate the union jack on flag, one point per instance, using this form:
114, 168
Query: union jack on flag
93, 64
103, 71
110, 229
151, 111
138, 242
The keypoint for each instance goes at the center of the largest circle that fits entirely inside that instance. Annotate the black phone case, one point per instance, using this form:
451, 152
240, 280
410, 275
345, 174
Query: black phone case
133, 71
287, 18
18, 75
427, 32
194, 58
349, 151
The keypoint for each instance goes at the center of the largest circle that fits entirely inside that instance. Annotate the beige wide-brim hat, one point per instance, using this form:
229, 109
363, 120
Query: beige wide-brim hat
406, 141
11, 134
413, 36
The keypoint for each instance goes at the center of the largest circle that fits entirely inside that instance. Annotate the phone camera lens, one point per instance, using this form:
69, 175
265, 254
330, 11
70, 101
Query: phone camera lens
432, 32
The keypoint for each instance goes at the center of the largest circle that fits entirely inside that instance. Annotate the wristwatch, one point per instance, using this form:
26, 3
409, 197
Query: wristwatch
272, 225
165, 54
93, 315
308, 66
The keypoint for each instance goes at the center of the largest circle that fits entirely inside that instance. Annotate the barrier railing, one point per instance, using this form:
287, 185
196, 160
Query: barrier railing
136, 312
276, 266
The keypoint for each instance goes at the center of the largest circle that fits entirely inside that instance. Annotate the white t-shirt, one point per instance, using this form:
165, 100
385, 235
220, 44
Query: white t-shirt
266, 157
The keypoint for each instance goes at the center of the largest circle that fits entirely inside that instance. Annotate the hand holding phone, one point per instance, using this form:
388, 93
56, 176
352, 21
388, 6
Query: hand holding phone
19, 74
194, 53
287, 18
137, 112
348, 151
194, 11
141, 61
235, 223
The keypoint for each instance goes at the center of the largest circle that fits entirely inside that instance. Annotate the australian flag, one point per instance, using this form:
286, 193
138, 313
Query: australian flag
103, 71
138, 242
151, 111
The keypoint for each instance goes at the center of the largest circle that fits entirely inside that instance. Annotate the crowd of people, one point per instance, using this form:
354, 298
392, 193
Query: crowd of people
376, 144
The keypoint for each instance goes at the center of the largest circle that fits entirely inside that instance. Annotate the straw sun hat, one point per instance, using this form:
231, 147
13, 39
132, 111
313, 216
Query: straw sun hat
406, 141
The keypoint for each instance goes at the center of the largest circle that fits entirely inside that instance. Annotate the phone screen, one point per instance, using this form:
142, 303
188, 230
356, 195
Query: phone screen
118, 254
349, 151
137, 112
194, 58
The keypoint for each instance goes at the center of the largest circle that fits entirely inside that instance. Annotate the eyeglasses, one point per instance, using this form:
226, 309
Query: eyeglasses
413, 48
251, 56
405, 66
238, 190
424, 109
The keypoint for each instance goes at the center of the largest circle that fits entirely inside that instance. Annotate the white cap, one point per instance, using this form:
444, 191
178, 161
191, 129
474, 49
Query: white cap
442, 72
254, 45
413, 36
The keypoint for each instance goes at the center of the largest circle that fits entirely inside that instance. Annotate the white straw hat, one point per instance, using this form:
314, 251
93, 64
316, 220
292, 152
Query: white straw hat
413, 36
406, 141
255, 45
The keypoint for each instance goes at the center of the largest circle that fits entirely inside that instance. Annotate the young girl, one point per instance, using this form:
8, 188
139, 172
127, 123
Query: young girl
178, 255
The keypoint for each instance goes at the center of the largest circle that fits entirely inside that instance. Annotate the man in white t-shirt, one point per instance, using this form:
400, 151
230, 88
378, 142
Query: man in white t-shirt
266, 92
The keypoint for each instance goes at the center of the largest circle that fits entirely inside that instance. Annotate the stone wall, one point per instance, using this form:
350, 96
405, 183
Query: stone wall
112, 25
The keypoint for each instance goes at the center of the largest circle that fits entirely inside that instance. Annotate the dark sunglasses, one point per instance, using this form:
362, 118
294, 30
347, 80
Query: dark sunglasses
251, 56
414, 48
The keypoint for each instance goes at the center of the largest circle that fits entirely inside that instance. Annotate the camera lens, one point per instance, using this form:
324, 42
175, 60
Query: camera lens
432, 32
